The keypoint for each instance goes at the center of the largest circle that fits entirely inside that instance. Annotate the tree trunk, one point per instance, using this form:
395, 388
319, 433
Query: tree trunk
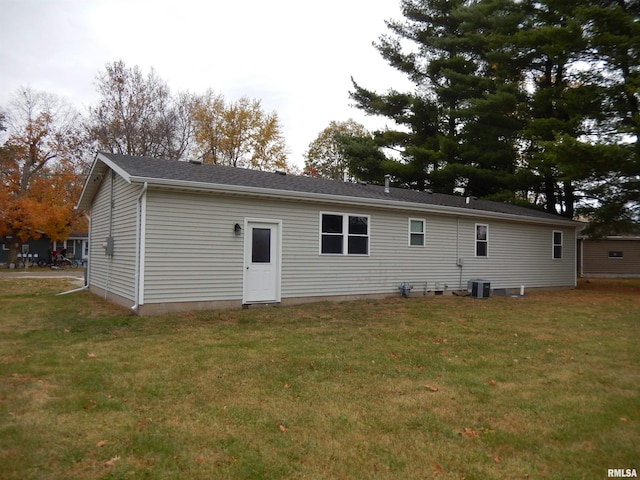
569, 199
550, 194
14, 249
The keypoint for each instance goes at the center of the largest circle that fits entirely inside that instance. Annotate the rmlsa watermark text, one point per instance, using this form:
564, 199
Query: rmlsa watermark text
622, 473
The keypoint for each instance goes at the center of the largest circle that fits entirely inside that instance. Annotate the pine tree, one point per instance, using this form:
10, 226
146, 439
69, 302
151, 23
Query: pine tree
529, 101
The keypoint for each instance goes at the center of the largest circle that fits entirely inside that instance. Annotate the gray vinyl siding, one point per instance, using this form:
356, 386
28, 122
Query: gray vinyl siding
519, 254
116, 273
191, 250
193, 254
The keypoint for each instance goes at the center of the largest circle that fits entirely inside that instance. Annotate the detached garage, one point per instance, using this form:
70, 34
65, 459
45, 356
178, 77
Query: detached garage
168, 235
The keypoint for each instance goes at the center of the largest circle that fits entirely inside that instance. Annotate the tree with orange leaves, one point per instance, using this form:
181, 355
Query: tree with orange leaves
41, 169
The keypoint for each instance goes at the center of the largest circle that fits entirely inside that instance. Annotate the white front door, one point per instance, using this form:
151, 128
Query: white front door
261, 261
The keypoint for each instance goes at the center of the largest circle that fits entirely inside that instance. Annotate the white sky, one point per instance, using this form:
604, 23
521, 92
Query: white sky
297, 57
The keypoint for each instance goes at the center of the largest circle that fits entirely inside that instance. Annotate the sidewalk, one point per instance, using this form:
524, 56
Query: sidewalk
37, 272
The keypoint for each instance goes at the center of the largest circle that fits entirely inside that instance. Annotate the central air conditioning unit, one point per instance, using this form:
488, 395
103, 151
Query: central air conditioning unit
479, 288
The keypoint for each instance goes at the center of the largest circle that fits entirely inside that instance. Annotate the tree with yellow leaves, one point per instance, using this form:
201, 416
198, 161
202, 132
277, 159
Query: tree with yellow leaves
238, 134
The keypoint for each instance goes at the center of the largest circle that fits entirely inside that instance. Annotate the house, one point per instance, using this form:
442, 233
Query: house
36, 249
76, 245
615, 257
168, 235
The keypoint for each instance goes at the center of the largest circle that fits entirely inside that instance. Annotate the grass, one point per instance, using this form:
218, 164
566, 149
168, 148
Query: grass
439, 387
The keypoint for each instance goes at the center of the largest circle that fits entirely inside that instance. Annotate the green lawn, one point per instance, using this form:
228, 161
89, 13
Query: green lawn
445, 387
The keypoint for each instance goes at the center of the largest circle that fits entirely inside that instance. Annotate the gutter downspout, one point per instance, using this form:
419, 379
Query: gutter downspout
581, 247
88, 270
139, 246
86, 278
73, 291
459, 262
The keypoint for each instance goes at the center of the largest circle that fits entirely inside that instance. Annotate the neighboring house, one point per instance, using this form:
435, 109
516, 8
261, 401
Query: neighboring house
168, 235
609, 257
77, 247
37, 249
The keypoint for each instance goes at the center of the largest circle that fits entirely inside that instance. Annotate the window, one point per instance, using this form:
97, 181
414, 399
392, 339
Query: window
416, 232
482, 240
261, 245
557, 245
344, 234
616, 254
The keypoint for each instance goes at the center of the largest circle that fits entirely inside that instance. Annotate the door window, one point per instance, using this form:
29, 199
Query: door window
261, 245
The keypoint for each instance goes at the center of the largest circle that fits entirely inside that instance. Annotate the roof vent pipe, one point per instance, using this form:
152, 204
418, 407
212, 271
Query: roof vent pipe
387, 179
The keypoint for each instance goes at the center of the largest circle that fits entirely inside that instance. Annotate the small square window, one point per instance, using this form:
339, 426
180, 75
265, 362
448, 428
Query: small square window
358, 246
331, 223
332, 244
616, 254
358, 225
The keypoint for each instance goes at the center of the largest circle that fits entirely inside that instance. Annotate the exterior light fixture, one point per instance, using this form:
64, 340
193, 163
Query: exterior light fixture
237, 229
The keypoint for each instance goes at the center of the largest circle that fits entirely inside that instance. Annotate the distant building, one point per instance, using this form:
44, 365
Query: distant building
615, 257
77, 246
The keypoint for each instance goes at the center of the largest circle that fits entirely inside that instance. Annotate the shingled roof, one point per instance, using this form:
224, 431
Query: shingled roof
194, 175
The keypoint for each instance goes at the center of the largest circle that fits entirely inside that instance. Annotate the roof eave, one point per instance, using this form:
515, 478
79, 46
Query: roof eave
94, 179
343, 200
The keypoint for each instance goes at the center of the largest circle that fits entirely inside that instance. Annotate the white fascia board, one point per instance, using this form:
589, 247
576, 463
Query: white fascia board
94, 179
344, 200
116, 168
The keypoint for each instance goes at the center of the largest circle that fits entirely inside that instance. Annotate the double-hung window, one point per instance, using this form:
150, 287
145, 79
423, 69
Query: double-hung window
482, 240
416, 232
557, 245
344, 234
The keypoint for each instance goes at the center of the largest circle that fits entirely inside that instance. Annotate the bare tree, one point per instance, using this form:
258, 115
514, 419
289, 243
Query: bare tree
139, 116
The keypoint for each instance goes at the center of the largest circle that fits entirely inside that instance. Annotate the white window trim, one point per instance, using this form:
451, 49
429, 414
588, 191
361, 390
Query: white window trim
423, 233
475, 240
345, 235
554, 245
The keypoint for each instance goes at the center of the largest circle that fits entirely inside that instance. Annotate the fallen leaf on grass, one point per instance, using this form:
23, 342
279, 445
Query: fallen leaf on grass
91, 355
112, 462
495, 458
432, 388
287, 386
492, 383
468, 432
437, 468
200, 459
101, 443
283, 429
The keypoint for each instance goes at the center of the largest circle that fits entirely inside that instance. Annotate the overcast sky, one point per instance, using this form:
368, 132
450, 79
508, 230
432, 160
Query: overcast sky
296, 57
